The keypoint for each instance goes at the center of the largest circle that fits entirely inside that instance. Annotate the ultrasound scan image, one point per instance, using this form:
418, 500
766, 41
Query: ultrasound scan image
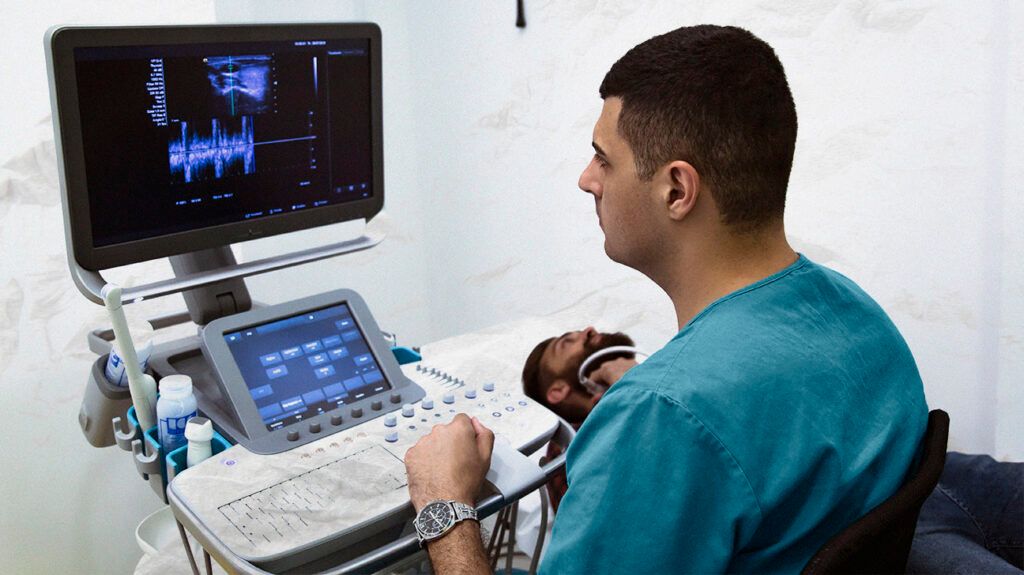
239, 85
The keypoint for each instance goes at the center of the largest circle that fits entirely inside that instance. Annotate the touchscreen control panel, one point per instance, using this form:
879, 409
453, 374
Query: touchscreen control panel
298, 371
306, 364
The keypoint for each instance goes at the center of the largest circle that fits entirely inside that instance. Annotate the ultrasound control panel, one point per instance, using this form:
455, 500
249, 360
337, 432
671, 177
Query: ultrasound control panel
284, 510
296, 372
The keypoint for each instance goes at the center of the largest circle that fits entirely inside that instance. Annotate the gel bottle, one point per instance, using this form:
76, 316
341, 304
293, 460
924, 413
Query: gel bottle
174, 408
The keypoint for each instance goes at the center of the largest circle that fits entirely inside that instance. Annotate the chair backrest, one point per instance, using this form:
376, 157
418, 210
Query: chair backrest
879, 542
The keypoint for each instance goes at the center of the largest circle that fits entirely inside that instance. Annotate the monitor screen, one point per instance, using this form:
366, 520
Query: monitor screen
305, 365
184, 137
178, 139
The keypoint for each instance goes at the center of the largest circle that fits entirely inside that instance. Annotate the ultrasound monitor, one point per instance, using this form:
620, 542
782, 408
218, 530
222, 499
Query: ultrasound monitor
178, 139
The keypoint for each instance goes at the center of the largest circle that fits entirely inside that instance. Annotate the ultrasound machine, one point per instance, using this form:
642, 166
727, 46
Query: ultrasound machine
180, 141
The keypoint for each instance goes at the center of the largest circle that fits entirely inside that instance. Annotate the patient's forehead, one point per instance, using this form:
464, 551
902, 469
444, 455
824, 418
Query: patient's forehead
548, 356
561, 353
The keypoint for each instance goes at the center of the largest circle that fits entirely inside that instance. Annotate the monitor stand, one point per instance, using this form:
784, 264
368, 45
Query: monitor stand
216, 300
205, 304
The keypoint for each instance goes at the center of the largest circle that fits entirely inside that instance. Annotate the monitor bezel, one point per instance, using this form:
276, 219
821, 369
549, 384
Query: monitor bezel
61, 45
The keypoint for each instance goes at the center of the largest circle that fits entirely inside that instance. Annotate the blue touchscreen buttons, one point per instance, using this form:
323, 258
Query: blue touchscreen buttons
270, 359
261, 391
272, 410
277, 371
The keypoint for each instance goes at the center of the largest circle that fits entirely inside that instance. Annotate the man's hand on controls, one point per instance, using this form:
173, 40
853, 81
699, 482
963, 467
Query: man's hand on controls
450, 462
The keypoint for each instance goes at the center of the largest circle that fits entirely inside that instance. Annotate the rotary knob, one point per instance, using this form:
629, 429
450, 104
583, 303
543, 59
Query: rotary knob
336, 420
377, 405
471, 393
390, 420
427, 403
449, 397
489, 386
391, 436
293, 435
408, 410
357, 412
314, 428
396, 398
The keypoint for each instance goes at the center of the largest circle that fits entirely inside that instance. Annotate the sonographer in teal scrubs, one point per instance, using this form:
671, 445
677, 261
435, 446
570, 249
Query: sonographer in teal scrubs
775, 418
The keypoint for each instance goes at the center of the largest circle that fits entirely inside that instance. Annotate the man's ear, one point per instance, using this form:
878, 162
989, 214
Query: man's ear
681, 185
557, 392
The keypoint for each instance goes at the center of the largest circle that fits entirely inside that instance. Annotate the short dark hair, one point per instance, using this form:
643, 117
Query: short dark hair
716, 97
535, 383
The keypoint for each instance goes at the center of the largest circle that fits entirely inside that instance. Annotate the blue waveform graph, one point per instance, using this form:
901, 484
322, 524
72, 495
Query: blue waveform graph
240, 84
227, 149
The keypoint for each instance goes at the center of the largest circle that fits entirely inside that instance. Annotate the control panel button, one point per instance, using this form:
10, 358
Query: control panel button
391, 437
408, 410
357, 412
390, 420
336, 420
471, 393
293, 435
314, 428
427, 403
396, 397
376, 405
449, 397
489, 386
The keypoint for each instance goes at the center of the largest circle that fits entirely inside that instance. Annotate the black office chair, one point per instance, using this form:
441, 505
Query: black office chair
879, 542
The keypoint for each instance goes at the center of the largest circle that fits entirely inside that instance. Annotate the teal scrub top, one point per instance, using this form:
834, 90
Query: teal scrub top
778, 416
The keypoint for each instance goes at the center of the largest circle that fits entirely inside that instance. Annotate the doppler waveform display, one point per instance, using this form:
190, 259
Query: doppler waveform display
227, 149
239, 84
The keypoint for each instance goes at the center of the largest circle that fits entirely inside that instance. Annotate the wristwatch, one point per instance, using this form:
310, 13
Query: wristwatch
438, 517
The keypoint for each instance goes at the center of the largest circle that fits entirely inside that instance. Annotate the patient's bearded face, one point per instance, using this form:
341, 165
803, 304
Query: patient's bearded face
564, 355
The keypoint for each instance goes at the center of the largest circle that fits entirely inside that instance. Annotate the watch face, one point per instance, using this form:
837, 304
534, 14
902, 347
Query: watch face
435, 518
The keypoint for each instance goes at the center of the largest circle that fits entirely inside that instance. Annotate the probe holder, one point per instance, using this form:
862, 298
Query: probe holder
103, 402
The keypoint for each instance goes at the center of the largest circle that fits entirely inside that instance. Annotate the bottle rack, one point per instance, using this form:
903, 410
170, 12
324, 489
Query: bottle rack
151, 461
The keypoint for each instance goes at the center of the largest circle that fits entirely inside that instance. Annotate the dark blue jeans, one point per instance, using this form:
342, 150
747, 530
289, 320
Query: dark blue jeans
974, 520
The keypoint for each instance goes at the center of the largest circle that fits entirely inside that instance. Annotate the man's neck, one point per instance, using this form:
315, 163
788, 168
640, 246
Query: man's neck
695, 278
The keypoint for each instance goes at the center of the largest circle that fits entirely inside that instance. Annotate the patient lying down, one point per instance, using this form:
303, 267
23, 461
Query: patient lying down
551, 376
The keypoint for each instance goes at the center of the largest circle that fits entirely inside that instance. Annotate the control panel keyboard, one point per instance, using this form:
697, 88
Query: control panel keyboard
332, 492
280, 511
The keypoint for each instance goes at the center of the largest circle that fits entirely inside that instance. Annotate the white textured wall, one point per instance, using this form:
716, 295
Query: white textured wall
907, 179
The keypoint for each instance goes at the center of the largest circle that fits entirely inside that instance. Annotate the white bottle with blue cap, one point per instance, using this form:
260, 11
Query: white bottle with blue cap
174, 408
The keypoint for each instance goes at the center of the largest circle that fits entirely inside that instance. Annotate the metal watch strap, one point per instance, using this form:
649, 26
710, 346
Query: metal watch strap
460, 512
463, 511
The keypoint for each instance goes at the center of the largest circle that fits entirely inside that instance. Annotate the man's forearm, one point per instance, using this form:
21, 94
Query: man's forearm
461, 551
